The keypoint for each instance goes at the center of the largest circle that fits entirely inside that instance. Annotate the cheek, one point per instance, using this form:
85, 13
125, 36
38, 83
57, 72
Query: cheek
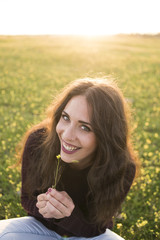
90, 143
58, 128
94, 145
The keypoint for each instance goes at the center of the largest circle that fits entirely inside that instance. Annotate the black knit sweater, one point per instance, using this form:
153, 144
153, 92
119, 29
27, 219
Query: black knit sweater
75, 184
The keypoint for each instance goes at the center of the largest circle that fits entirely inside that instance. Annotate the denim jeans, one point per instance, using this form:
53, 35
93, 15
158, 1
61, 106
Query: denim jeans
28, 228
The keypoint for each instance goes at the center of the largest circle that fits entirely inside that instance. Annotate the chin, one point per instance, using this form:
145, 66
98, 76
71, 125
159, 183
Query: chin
66, 159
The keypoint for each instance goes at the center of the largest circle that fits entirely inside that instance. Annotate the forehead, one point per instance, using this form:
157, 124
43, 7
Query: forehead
79, 108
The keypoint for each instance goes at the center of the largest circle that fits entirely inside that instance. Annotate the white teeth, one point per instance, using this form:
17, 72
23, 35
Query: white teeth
69, 148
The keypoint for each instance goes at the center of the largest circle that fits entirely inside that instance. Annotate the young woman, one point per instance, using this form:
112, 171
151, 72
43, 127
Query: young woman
78, 195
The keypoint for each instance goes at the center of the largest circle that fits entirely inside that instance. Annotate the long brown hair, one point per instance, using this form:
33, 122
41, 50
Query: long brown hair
114, 155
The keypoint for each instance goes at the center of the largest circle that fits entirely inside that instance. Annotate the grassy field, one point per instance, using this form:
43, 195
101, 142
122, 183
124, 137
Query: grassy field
33, 69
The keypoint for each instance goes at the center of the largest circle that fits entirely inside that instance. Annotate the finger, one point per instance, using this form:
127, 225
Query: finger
62, 197
66, 195
66, 212
43, 212
41, 204
70, 205
50, 212
41, 197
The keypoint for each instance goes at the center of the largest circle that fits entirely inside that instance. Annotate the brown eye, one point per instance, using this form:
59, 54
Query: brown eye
65, 117
85, 128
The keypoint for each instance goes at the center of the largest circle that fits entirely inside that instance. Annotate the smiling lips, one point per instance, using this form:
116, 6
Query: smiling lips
69, 149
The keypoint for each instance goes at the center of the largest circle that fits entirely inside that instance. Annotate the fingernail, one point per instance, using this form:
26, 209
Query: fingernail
49, 190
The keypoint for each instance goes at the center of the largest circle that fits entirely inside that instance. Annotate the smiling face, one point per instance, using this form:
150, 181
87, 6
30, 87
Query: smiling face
78, 141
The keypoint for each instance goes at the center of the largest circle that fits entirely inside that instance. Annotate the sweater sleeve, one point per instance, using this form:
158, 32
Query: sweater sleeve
78, 226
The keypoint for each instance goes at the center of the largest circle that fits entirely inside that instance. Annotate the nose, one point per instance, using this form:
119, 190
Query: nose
69, 134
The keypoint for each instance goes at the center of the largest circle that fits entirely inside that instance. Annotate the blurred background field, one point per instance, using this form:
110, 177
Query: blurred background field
34, 69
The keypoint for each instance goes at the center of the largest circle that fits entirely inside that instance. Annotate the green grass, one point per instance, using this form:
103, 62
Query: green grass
33, 69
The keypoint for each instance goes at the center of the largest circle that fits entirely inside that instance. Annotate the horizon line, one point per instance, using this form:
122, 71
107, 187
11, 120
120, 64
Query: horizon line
87, 35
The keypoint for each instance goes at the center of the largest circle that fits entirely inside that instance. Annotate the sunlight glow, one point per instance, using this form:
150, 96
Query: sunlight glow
89, 17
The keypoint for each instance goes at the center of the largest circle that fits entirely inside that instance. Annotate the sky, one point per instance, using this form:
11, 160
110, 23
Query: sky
79, 17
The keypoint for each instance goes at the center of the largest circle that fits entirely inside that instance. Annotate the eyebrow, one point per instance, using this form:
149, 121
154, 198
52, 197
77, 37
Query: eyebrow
80, 121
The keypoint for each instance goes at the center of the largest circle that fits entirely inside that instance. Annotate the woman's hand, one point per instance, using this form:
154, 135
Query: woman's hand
41, 202
55, 204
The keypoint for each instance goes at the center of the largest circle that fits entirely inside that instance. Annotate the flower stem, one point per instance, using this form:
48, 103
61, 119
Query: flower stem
57, 170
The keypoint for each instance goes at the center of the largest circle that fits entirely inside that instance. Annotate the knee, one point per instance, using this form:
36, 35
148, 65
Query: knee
110, 235
6, 236
13, 236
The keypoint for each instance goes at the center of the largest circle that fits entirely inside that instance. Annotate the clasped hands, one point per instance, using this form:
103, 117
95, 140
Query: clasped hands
55, 204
